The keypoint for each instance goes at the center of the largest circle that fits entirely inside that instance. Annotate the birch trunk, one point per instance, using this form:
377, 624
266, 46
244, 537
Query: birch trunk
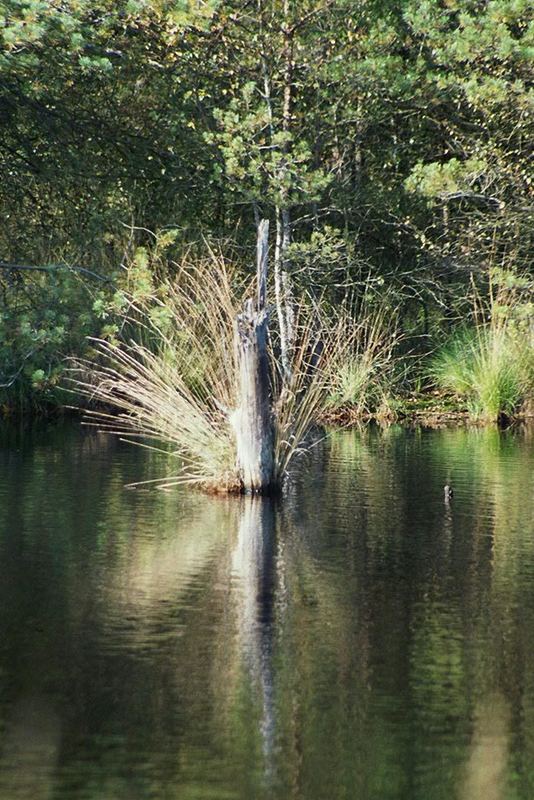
282, 281
285, 297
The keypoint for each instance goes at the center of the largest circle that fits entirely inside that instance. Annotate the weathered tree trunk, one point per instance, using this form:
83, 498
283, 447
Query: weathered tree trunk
253, 421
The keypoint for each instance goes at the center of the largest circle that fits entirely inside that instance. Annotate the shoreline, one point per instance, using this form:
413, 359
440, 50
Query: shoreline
345, 417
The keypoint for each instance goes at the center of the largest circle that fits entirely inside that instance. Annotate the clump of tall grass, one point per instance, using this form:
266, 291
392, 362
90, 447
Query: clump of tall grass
490, 366
323, 341
480, 367
169, 380
363, 378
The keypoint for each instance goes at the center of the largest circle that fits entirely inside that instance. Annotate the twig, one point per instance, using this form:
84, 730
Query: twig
53, 268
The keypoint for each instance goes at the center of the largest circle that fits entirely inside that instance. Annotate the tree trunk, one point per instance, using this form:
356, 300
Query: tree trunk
285, 298
282, 281
253, 421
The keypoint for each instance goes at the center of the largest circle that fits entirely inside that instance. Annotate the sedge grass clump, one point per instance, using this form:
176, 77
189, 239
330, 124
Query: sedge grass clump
362, 378
480, 368
322, 342
490, 365
170, 379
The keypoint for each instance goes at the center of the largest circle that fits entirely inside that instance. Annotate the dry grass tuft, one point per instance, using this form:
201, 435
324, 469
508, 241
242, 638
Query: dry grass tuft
324, 343
363, 377
170, 382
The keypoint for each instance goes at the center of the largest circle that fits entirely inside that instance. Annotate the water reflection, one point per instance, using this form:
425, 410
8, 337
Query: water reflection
485, 773
361, 638
253, 563
30, 739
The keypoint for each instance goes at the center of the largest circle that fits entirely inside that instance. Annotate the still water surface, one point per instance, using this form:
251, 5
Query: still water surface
360, 639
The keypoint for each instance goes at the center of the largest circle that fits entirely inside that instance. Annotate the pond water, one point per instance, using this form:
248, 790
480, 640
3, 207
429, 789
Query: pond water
361, 638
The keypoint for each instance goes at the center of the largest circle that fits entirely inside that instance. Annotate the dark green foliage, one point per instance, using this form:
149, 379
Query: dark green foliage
394, 136
43, 319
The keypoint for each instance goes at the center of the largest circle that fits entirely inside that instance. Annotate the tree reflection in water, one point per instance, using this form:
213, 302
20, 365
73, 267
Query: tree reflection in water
253, 562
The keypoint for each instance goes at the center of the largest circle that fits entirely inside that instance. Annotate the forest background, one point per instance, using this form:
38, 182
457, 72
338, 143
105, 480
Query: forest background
388, 141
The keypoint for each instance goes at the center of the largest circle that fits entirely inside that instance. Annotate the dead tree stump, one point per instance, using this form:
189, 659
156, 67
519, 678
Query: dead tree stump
253, 422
